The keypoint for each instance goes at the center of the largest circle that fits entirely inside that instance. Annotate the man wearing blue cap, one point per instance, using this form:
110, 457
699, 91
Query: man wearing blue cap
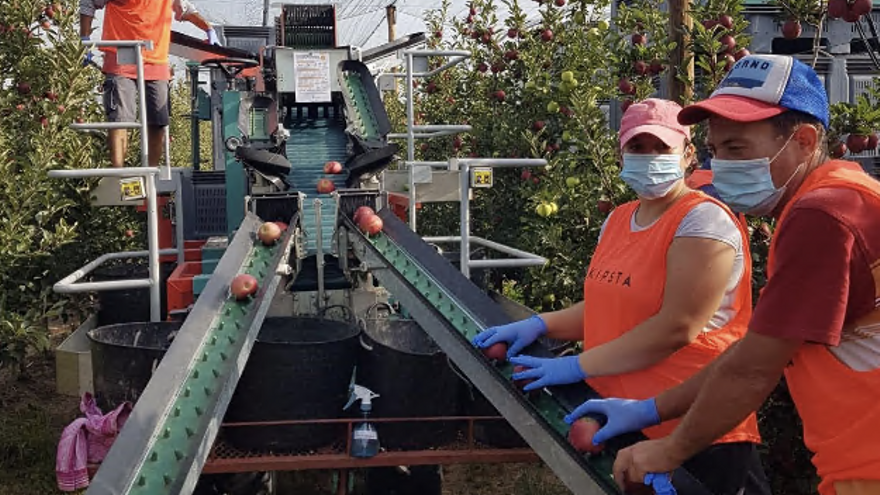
817, 319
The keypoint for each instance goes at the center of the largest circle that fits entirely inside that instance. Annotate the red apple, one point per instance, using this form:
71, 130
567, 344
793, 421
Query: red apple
656, 67
50, 12
23, 88
496, 352
44, 122
850, 16
725, 21
456, 142
473, 11
361, 211
625, 104
431, 87
728, 43
857, 143
512, 33
482, 67
497, 67
626, 87
838, 150
438, 34
605, 206
521, 384
709, 24
547, 35
243, 286
511, 54
269, 233
837, 8
560, 3
639, 39
729, 60
741, 53
860, 7
640, 67
486, 38
872, 142
370, 224
581, 435
499, 95
792, 29
525, 175
281, 225
325, 186
538, 125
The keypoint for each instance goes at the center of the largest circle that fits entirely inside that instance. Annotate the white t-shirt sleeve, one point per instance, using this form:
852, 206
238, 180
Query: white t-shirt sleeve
709, 221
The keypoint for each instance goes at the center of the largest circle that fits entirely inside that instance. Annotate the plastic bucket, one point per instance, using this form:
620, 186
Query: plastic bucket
413, 379
124, 357
129, 305
299, 369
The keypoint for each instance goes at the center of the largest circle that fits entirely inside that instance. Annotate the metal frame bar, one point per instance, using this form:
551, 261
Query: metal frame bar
413, 131
149, 175
520, 258
464, 166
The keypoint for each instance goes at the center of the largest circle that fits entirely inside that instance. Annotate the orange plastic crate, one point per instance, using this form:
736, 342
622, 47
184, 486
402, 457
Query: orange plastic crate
180, 285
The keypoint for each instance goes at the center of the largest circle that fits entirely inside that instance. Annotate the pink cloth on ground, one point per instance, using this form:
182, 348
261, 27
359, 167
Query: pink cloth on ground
86, 441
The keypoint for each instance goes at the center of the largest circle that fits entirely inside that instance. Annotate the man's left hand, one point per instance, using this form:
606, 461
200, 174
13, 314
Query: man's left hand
634, 463
549, 371
212, 37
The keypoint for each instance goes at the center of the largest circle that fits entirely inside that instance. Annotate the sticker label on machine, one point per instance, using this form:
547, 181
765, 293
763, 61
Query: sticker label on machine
312, 77
132, 188
365, 435
481, 177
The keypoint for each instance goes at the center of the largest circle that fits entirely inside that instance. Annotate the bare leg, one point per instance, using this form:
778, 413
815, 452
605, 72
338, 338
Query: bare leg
156, 139
118, 142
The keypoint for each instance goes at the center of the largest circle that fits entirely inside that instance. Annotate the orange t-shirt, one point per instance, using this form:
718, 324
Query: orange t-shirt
139, 20
624, 287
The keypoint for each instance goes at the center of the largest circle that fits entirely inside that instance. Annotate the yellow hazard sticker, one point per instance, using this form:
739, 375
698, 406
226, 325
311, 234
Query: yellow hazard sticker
481, 177
132, 188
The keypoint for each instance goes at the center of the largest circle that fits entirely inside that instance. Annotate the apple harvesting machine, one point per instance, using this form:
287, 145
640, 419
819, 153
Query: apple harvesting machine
259, 385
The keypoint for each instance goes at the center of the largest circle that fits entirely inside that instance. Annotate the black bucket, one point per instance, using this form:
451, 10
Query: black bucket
299, 369
413, 379
129, 305
124, 357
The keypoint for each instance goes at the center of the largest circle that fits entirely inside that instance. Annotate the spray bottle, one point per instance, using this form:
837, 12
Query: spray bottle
364, 438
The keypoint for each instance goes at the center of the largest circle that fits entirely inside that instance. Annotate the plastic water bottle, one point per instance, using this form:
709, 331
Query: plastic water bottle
364, 437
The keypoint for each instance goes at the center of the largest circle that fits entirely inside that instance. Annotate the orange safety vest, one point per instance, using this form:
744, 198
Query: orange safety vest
624, 287
839, 405
699, 178
141, 20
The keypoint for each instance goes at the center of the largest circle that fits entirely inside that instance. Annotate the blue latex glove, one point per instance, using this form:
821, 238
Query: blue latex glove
661, 483
624, 416
548, 371
518, 335
212, 37
88, 58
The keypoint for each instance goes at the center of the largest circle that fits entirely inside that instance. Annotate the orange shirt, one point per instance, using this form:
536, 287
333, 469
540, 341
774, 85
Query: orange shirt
836, 388
139, 20
624, 287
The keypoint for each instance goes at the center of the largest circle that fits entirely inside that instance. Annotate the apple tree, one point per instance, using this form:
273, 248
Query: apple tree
47, 226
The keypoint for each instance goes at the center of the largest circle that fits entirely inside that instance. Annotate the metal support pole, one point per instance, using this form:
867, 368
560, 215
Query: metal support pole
194, 114
410, 140
153, 248
319, 256
465, 229
142, 99
178, 219
165, 172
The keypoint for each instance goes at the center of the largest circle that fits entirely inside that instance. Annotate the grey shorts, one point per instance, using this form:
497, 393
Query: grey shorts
121, 100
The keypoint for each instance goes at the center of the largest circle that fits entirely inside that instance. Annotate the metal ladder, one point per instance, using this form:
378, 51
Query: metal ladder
129, 52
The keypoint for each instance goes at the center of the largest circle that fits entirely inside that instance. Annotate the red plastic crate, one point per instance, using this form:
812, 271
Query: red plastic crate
399, 204
180, 285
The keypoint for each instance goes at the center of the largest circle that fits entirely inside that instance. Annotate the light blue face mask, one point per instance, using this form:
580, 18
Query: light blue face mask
747, 186
651, 176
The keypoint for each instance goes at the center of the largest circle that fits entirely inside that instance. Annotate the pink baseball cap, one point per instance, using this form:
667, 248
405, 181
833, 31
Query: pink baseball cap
656, 117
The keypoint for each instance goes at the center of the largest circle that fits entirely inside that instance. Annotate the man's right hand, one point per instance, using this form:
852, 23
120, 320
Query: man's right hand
518, 335
623, 416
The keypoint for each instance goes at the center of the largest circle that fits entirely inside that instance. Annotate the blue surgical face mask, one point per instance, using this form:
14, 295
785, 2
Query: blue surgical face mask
747, 185
651, 176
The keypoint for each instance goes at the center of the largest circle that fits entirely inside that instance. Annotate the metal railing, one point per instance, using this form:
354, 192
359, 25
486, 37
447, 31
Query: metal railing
128, 51
413, 131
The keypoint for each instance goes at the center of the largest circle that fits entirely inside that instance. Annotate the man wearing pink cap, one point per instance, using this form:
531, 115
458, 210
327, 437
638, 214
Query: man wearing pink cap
667, 290
818, 317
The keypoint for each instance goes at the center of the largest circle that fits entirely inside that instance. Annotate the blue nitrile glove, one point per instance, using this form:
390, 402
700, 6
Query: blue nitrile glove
624, 416
212, 37
548, 371
661, 483
518, 335
88, 58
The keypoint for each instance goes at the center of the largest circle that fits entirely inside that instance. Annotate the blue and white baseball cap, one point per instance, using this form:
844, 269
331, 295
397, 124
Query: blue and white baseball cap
759, 87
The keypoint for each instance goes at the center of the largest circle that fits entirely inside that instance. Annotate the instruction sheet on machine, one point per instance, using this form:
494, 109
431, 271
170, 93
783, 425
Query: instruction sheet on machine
312, 77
